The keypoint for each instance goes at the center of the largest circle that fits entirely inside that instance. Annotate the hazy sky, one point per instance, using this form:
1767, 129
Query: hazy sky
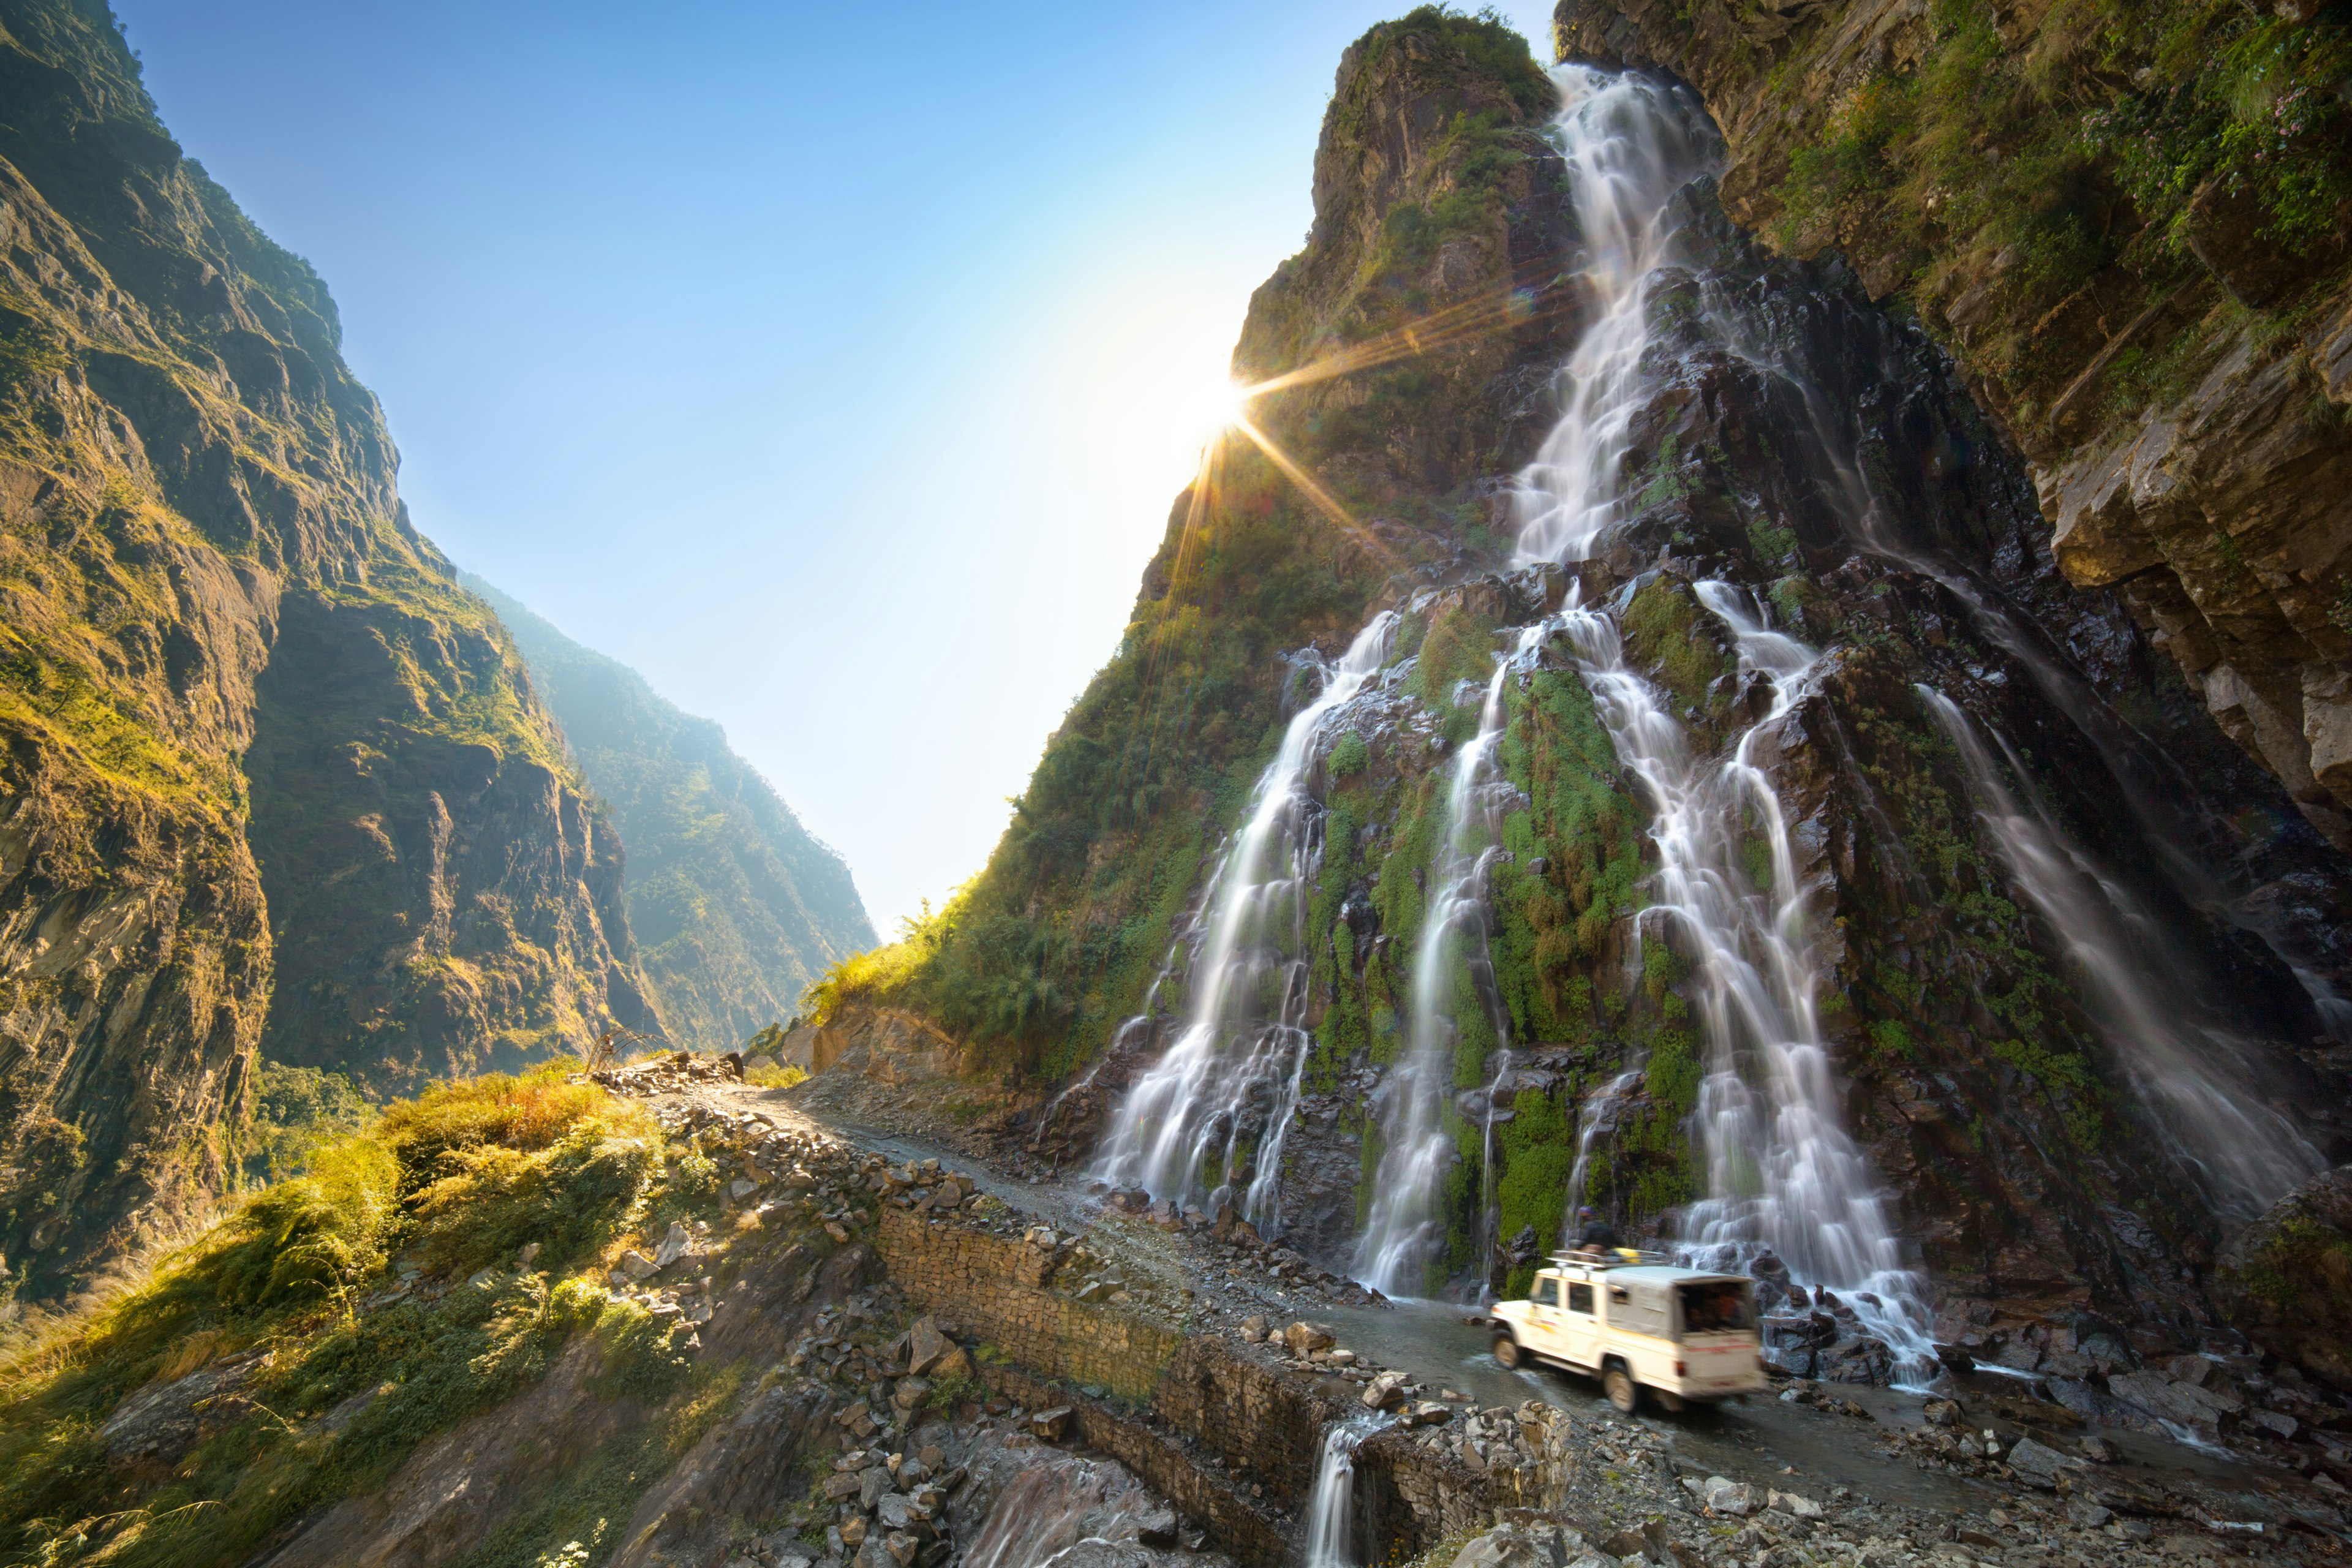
834, 366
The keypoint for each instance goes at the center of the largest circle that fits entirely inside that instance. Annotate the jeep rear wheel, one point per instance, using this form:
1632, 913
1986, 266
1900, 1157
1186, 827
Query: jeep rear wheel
1507, 1352
1622, 1391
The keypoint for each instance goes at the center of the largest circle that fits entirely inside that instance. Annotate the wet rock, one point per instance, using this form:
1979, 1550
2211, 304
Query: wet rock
2037, 1463
2285, 1281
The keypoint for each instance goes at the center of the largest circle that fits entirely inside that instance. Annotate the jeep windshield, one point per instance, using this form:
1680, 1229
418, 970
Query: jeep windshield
1716, 1307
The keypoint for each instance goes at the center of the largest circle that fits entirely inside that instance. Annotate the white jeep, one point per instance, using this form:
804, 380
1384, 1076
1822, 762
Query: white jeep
1685, 1335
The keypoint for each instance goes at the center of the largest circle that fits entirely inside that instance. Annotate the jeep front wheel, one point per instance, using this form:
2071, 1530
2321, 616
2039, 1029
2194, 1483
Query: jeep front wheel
1507, 1352
1622, 1391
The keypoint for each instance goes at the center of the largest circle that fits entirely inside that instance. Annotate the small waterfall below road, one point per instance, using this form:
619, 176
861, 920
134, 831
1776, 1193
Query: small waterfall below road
1402, 1233
1232, 1075
1331, 1506
2191, 1076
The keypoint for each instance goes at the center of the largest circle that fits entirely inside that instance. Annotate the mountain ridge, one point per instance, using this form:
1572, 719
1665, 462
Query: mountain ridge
736, 906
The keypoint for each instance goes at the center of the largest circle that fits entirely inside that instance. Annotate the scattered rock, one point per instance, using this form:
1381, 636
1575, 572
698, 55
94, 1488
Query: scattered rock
1305, 1338
926, 1346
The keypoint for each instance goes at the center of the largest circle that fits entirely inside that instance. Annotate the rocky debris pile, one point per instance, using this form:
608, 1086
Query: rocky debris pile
1247, 1256
1812, 1333
667, 1074
2255, 1406
2090, 1372
918, 1485
1493, 1443
921, 1186
1632, 1500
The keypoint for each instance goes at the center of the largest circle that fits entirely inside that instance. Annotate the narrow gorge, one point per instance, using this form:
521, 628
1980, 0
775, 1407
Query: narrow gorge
1759, 655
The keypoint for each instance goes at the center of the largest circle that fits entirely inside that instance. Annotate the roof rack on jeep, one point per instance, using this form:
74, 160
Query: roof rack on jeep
1616, 1258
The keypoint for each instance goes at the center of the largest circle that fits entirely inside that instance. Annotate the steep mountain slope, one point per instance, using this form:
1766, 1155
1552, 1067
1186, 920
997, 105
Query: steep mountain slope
1834, 881
271, 780
735, 905
2126, 220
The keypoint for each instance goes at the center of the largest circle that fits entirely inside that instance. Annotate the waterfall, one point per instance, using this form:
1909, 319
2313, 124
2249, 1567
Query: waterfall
1599, 1116
1629, 144
1402, 1234
1331, 1506
1234, 1071
2190, 1076
1781, 1171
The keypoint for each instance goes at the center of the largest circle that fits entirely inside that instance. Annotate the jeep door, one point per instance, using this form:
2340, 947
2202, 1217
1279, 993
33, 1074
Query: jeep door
1580, 1336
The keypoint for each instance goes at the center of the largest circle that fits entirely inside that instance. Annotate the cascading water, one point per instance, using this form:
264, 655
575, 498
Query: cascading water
1598, 1119
1234, 1069
1781, 1171
2192, 1077
1331, 1506
1401, 1230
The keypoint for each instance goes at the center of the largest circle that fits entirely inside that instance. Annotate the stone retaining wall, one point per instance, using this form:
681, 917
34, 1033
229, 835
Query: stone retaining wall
1177, 1399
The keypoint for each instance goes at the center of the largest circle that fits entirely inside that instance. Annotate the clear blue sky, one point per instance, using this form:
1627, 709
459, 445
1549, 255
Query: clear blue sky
833, 365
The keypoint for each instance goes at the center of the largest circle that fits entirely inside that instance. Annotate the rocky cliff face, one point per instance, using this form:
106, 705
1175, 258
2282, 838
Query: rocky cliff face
2126, 224
736, 906
1977, 739
271, 779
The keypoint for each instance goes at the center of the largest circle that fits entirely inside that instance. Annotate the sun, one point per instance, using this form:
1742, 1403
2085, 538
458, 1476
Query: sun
1213, 407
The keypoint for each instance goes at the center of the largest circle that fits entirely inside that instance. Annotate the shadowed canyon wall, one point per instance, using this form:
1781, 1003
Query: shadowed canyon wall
271, 781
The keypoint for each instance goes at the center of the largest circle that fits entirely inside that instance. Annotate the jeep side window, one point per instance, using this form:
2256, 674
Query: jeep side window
1579, 1298
1547, 1292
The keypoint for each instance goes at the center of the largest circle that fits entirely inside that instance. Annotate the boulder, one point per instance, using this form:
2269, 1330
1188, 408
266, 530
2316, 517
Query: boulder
2285, 1281
1733, 1499
674, 1246
926, 1346
1254, 1328
1523, 1546
2040, 1463
1158, 1528
1054, 1425
1304, 1339
636, 1265
913, 1391
1385, 1391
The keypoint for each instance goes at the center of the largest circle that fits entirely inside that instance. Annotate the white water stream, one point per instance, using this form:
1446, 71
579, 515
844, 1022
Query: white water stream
1402, 1234
1218, 1101
2192, 1077
1781, 1171
1331, 1506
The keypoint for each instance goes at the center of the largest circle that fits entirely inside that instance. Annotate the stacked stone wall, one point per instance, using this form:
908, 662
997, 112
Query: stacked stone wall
1178, 1399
